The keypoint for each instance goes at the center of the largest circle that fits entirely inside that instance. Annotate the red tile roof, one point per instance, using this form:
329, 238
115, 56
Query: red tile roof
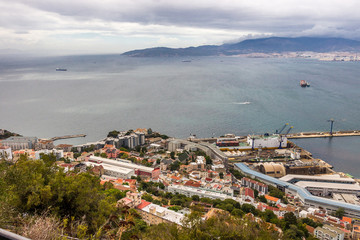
192, 183
143, 204
249, 192
310, 229
347, 219
270, 198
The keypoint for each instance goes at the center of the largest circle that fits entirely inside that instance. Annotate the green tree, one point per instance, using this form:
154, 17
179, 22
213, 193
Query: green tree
289, 219
175, 166
262, 198
237, 212
195, 198
150, 131
113, 134
172, 155
339, 212
103, 155
208, 160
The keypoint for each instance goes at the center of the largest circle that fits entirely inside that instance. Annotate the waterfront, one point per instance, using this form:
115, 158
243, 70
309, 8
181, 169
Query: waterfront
343, 153
209, 96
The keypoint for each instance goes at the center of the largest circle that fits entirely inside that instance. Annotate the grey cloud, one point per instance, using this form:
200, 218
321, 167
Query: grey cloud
235, 15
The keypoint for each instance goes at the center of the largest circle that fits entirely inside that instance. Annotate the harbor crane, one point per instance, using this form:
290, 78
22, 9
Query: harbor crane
286, 133
282, 129
331, 120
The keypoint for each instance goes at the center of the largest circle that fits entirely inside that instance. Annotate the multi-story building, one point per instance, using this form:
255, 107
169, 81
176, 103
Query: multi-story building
5, 153
129, 141
58, 153
356, 231
44, 144
328, 232
260, 187
17, 143
154, 214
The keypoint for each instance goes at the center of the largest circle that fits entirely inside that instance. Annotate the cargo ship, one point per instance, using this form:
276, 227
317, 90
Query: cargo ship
304, 83
61, 69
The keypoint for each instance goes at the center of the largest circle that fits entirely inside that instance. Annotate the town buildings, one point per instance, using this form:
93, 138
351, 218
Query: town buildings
151, 213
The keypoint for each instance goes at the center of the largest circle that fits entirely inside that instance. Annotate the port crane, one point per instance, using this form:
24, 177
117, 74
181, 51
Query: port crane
286, 133
331, 120
282, 129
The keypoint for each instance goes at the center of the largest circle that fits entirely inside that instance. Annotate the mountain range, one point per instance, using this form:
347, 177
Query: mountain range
260, 45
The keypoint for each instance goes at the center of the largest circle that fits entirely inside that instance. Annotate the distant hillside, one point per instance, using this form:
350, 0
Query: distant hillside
261, 45
6, 134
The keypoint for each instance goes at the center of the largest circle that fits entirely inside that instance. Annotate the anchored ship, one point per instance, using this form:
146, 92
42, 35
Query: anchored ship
304, 83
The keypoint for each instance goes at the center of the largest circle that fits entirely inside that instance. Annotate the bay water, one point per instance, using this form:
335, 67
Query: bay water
206, 96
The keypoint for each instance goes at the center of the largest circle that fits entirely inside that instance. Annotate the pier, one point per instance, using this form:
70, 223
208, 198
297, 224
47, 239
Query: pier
67, 136
324, 134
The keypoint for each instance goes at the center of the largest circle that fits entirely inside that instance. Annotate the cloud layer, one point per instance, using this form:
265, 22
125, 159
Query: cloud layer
88, 26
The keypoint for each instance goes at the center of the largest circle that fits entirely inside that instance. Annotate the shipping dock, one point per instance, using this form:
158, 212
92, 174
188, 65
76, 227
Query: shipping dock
324, 134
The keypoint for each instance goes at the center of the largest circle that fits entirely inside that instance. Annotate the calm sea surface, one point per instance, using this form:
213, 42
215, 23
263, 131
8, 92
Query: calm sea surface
208, 96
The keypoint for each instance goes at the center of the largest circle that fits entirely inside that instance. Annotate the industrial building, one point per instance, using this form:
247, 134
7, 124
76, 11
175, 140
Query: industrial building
334, 178
272, 169
325, 185
139, 170
305, 197
267, 141
327, 189
253, 142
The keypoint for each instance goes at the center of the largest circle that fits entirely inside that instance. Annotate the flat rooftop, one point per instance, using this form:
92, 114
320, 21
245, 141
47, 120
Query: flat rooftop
213, 193
322, 178
306, 184
111, 167
122, 164
169, 215
302, 192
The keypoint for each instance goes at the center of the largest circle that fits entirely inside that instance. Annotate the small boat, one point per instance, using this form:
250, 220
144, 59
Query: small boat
61, 69
186, 60
304, 83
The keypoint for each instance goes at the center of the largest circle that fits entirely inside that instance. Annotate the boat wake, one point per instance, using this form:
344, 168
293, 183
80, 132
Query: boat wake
241, 103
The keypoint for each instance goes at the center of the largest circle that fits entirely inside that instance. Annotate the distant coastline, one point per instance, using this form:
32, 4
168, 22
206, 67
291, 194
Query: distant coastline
325, 49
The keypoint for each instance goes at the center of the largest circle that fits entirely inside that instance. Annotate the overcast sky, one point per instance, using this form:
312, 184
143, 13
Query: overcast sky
115, 26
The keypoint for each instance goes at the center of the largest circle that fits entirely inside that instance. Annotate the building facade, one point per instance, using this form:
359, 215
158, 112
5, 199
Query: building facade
6, 153
17, 143
328, 232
